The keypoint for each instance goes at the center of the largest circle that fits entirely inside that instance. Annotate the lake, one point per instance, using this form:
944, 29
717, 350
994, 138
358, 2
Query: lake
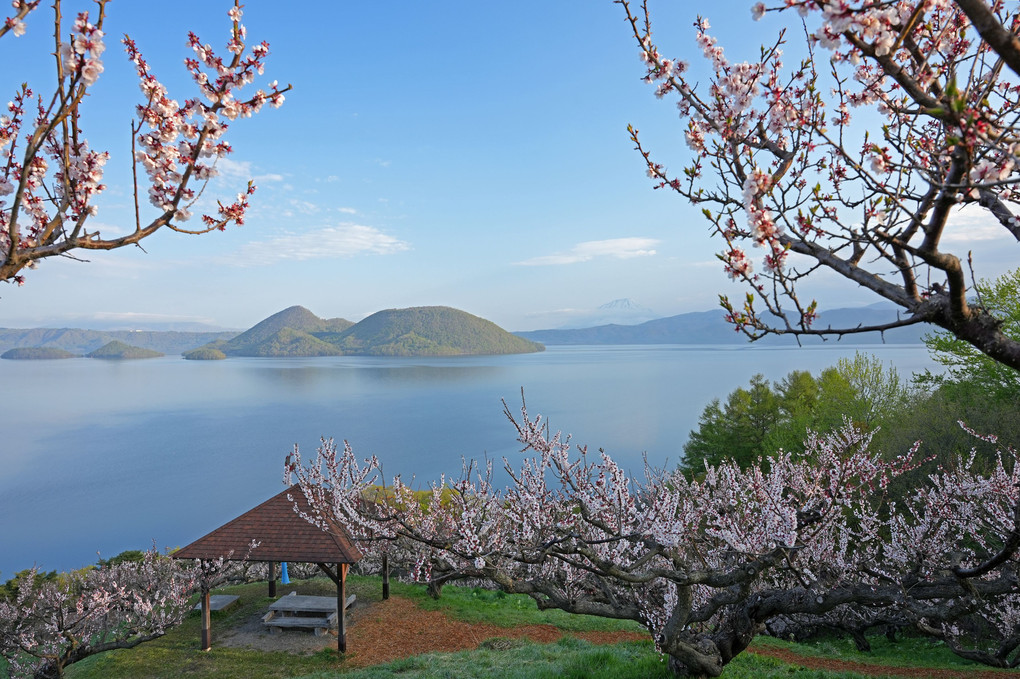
103, 456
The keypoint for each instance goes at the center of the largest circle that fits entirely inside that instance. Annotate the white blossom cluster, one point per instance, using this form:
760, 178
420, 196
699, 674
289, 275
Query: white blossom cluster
50, 176
184, 140
814, 533
52, 624
868, 201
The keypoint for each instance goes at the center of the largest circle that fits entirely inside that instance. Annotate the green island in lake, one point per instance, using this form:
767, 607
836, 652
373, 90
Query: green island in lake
417, 331
120, 351
37, 353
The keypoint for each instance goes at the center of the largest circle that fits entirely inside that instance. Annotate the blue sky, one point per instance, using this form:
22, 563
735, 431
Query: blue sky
469, 154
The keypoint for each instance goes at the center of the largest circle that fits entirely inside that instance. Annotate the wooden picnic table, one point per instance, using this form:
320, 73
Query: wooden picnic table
300, 610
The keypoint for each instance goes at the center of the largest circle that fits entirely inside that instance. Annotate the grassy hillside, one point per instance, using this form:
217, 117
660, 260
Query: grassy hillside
430, 331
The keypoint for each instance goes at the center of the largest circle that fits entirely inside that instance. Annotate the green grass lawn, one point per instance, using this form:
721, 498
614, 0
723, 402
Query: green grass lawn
178, 655
904, 652
477, 605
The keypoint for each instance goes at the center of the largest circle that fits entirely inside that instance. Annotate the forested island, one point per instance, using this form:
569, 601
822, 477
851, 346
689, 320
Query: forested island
116, 350
416, 331
37, 353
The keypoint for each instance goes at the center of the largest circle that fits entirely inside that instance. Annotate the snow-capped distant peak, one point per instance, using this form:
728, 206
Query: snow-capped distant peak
619, 312
623, 304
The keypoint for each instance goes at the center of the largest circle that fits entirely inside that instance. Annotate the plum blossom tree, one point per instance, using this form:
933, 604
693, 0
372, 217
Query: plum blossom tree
54, 624
50, 623
50, 176
704, 562
857, 160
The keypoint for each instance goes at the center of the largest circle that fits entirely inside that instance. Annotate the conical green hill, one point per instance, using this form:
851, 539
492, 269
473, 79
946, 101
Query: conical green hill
430, 331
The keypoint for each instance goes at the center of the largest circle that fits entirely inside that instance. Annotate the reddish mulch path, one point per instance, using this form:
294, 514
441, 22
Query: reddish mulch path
397, 628
870, 670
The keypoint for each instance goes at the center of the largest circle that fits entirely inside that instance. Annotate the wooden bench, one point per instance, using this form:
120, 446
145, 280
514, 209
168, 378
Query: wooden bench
219, 602
317, 613
317, 625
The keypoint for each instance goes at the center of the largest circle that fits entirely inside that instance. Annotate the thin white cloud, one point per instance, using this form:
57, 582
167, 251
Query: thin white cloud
617, 248
141, 317
973, 224
242, 169
234, 168
343, 240
347, 210
304, 206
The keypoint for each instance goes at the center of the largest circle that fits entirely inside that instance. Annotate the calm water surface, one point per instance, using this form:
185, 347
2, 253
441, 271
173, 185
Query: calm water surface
103, 456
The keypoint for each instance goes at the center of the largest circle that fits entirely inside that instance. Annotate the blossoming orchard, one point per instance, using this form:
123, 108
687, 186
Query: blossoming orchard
786, 161
704, 563
51, 625
50, 176
858, 159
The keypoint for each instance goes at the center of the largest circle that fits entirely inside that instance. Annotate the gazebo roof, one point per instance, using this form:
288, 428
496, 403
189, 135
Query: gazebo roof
281, 533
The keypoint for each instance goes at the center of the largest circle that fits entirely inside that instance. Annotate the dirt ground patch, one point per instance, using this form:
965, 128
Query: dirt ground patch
397, 628
381, 631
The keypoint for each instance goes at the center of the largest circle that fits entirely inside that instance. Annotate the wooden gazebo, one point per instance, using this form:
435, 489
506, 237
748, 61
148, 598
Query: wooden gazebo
282, 535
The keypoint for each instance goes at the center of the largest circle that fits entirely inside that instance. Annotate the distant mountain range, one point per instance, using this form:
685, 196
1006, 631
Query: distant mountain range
710, 327
80, 342
419, 331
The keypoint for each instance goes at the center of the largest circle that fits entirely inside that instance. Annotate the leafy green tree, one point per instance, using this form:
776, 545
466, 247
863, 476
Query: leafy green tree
737, 430
710, 440
877, 392
761, 419
967, 367
797, 394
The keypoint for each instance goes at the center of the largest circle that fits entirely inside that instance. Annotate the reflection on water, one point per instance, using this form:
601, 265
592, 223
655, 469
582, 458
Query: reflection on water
310, 378
107, 455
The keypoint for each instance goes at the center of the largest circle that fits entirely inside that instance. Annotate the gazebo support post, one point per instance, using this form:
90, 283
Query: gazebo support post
341, 607
385, 576
206, 621
279, 532
339, 577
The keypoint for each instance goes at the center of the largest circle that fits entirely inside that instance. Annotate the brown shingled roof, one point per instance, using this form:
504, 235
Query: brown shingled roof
282, 535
